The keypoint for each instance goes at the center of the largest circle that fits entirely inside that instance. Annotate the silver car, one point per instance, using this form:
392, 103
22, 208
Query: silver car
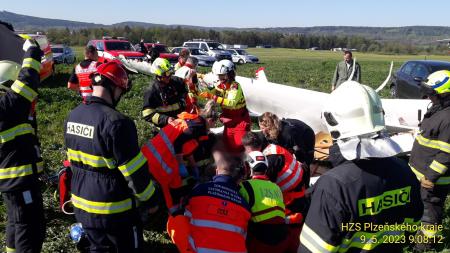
63, 54
241, 56
203, 58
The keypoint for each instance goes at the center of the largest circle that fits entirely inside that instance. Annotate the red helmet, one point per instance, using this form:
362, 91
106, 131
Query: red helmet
114, 72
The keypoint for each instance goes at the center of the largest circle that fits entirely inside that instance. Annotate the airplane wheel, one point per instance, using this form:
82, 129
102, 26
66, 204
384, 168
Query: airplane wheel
394, 92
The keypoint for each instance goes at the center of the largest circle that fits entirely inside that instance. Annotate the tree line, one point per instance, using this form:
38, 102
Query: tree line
176, 36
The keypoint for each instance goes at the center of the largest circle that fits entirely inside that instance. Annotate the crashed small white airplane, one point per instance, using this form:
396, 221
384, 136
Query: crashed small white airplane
402, 116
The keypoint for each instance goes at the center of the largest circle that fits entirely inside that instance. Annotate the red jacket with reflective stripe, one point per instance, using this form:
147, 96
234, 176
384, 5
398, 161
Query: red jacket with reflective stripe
290, 176
83, 78
218, 218
161, 155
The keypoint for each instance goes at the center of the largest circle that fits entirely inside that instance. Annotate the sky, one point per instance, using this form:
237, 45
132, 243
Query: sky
250, 13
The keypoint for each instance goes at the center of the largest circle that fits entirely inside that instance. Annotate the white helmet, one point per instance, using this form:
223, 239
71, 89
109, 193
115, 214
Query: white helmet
353, 110
9, 70
184, 73
223, 67
257, 161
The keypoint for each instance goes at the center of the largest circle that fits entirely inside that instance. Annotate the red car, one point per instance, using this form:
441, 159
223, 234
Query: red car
108, 49
163, 51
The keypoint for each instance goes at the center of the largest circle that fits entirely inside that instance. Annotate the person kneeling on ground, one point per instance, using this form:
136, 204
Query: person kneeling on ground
216, 215
288, 174
267, 230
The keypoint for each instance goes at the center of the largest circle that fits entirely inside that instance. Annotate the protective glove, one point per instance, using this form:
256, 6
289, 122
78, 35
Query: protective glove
29, 43
206, 95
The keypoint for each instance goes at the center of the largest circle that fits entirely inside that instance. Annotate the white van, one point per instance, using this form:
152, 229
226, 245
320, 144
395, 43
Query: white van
212, 48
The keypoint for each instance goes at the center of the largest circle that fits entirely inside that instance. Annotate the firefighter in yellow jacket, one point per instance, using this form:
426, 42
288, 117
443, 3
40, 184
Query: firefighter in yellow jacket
430, 156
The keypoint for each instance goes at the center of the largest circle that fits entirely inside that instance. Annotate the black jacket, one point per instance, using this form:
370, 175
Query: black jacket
298, 138
350, 200
20, 158
162, 101
430, 156
110, 174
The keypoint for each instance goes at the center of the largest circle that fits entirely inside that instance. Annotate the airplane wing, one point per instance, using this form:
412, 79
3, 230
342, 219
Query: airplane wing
135, 66
285, 101
402, 116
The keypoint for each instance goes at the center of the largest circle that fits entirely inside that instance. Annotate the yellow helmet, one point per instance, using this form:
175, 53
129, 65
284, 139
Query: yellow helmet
438, 82
9, 70
161, 67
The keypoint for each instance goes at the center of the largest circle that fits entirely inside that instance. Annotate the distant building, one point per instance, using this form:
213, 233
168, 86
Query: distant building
340, 49
239, 46
236, 46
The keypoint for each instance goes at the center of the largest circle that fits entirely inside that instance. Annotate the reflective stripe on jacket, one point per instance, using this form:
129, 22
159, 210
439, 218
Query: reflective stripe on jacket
218, 216
84, 80
430, 155
265, 199
110, 175
20, 158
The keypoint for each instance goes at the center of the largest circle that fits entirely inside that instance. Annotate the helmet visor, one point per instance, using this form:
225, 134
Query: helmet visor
426, 89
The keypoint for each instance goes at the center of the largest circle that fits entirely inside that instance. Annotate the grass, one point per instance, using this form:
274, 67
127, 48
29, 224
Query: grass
299, 68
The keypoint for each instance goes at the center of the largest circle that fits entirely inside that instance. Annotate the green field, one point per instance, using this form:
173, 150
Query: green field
299, 68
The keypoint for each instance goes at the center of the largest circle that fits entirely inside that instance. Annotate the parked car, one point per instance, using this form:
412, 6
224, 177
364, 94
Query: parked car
203, 58
177, 50
212, 48
241, 56
407, 80
63, 54
109, 49
47, 64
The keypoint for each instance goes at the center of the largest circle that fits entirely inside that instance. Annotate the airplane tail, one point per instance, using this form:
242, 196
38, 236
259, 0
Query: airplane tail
261, 75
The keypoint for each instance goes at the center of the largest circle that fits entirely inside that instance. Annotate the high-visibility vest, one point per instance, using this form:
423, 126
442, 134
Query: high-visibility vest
217, 225
161, 157
230, 97
267, 202
290, 176
84, 80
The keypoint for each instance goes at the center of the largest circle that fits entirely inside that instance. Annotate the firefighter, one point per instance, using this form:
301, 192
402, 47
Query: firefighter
218, 215
267, 230
288, 174
166, 153
20, 158
228, 94
182, 58
189, 74
110, 177
164, 100
79, 80
430, 158
370, 197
